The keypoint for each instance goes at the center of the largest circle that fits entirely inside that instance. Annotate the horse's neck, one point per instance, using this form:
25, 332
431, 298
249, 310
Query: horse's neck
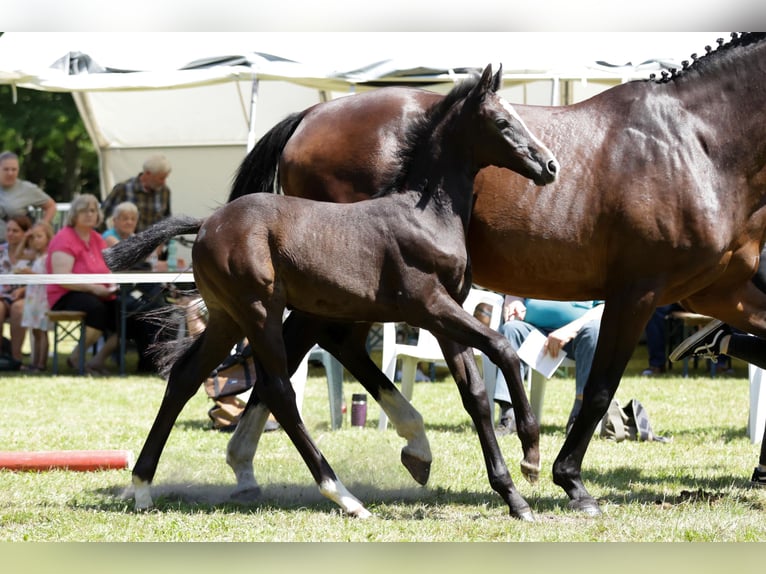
729, 93
448, 190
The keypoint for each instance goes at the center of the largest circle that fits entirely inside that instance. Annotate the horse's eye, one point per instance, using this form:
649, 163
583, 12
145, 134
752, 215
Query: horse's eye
502, 123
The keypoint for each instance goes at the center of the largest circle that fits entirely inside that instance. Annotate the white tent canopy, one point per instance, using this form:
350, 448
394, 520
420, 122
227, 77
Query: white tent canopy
194, 96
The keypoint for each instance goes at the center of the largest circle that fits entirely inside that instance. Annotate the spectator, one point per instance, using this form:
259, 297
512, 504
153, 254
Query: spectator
77, 248
123, 223
147, 191
12, 260
17, 196
656, 339
143, 298
569, 325
36, 300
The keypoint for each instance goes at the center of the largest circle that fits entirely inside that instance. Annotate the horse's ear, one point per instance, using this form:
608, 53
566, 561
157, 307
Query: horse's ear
485, 83
497, 81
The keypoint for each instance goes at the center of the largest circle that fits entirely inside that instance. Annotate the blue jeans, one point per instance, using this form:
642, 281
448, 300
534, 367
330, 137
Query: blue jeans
656, 343
581, 349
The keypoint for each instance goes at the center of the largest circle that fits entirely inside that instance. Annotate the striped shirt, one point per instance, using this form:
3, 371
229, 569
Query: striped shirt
153, 204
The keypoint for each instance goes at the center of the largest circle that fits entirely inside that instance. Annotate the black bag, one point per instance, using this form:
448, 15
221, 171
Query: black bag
7, 362
630, 422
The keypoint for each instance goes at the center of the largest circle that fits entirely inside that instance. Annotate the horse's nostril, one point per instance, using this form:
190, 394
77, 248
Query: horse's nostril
553, 167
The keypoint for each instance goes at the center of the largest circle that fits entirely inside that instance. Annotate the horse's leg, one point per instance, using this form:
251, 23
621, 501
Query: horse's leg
300, 334
276, 391
462, 365
242, 445
447, 320
623, 321
186, 375
347, 342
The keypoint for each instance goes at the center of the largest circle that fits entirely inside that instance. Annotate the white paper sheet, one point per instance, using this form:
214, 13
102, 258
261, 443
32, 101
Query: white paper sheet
533, 353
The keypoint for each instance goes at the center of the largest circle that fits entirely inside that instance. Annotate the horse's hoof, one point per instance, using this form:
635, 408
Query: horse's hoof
587, 506
361, 513
524, 516
530, 471
419, 469
246, 494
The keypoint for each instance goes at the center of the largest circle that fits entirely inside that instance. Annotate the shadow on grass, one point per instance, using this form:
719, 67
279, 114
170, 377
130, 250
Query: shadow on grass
414, 502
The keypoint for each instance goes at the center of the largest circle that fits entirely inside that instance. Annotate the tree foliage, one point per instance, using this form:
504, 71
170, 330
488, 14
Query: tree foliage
47, 133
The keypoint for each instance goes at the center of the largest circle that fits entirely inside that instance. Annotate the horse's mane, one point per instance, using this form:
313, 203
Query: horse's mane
711, 56
420, 129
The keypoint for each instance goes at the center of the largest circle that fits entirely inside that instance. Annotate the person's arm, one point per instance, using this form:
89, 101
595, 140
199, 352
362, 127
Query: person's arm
513, 308
62, 262
561, 336
49, 210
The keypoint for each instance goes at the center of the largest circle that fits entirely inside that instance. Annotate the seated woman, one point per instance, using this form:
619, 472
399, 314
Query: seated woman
13, 259
77, 248
122, 223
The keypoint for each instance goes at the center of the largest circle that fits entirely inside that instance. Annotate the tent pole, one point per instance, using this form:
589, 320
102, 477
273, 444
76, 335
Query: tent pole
253, 106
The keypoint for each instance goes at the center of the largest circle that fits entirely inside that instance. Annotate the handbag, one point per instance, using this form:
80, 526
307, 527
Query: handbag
234, 376
630, 422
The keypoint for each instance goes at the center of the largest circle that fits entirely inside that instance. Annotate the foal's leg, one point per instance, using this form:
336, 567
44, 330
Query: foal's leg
462, 365
347, 342
300, 334
277, 392
242, 445
448, 321
186, 375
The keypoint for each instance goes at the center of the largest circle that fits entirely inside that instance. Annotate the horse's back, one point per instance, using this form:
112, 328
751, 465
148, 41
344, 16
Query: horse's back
354, 140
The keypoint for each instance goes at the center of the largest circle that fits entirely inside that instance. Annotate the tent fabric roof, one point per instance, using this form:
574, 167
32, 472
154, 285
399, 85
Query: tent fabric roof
324, 61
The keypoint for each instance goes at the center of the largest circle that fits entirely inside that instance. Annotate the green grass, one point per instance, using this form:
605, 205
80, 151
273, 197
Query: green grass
692, 489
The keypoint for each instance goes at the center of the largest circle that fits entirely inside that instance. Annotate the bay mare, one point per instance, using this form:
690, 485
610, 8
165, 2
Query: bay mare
400, 257
662, 198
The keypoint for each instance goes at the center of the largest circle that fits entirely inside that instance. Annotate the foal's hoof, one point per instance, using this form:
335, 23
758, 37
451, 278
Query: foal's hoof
246, 494
419, 469
587, 506
524, 515
530, 471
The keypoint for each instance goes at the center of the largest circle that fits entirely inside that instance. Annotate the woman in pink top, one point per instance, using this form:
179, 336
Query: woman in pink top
76, 248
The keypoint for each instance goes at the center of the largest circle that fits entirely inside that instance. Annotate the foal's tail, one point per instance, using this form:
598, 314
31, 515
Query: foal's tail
138, 247
258, 171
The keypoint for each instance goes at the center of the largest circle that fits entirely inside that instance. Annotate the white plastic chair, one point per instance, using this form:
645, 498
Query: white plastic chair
757, 417
334, 371
427, 348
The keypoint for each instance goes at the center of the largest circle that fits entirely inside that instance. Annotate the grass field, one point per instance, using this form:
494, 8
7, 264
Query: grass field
692, 489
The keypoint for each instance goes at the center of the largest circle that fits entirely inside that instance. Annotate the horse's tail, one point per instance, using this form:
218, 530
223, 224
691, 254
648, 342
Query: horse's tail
258, 171
138, 247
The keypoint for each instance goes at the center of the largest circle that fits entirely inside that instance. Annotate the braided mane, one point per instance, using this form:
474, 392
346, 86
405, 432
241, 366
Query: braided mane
711, 55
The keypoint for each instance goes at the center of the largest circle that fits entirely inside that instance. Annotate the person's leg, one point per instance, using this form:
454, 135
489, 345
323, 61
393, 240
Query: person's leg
18, 333
516, 332
582, 349
656, 339
40, 351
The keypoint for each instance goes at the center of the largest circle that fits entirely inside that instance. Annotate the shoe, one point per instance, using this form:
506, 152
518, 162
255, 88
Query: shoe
651, 371
705, 342
758, 480
507, 424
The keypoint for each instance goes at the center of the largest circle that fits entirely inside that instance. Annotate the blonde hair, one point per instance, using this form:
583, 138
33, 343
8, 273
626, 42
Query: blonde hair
81, 203
26, 246
157, 163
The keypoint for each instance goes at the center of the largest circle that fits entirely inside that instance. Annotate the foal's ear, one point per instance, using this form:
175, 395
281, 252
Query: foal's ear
488, 82
497, 80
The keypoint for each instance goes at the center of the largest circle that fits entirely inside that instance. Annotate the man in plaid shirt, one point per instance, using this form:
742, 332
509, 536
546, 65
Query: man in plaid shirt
147, 190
